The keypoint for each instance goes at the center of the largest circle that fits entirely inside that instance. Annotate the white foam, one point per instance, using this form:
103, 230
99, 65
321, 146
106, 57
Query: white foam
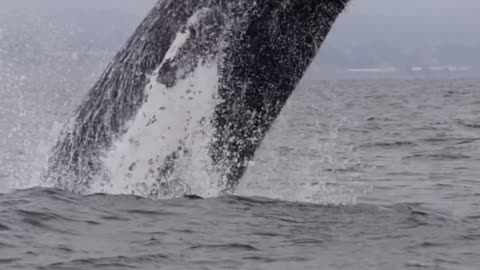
170, 118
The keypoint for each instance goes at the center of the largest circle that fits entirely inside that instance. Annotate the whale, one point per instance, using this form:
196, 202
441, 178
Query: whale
187, 101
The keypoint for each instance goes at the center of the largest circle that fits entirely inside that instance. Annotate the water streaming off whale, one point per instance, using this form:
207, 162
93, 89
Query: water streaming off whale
354, 174
184, 105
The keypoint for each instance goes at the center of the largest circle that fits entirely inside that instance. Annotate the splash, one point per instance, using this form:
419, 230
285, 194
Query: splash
164, 153
187, 102
307, 156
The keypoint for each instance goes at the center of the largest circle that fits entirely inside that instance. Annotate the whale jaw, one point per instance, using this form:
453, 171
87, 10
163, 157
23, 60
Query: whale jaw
185, 104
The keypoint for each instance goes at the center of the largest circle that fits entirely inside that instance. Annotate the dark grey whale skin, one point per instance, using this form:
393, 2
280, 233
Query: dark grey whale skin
263, 48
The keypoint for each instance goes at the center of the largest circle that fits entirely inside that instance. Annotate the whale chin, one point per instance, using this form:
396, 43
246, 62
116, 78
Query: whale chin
183, 106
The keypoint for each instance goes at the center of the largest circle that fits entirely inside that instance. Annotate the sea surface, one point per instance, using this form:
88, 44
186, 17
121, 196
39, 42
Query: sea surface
355, 174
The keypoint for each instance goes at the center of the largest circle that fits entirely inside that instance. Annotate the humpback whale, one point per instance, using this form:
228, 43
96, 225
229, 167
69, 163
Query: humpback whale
190, 96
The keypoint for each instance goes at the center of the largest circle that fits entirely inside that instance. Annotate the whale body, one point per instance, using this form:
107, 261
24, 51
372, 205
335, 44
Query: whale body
190, 97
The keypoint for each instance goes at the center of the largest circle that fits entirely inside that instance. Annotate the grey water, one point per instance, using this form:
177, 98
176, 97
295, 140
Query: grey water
356, 174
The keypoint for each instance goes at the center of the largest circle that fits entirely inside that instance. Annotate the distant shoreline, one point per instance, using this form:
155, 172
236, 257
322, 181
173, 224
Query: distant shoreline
378, 73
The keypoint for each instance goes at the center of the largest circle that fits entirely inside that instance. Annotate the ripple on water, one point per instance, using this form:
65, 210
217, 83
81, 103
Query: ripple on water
421, 214
240, 230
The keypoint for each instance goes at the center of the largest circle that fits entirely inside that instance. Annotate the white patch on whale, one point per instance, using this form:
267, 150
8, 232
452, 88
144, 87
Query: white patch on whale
169, 118
182, 37
172, 121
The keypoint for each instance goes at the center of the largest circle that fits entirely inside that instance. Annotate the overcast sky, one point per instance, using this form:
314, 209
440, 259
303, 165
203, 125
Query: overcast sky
368, 7
388, 25
451, 8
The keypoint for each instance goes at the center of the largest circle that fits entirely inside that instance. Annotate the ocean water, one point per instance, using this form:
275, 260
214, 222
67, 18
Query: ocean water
355, 174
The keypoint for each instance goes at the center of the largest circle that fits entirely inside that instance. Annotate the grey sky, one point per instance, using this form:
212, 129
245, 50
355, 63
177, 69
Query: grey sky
368, 7
386, 31
451, 8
